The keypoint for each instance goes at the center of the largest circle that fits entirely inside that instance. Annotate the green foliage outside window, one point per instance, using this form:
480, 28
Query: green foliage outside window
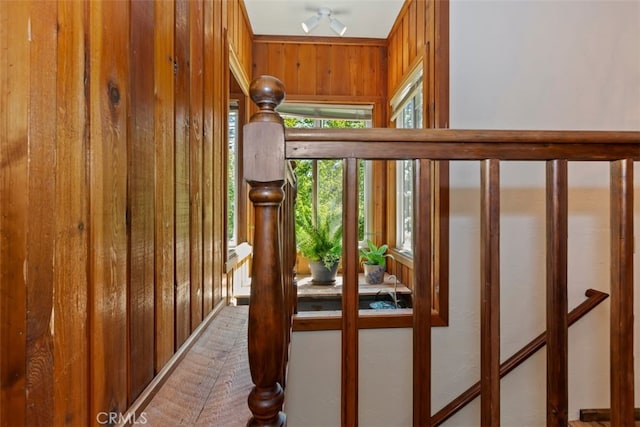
329, 178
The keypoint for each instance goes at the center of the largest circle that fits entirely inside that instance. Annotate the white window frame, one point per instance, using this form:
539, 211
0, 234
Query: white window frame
407, 102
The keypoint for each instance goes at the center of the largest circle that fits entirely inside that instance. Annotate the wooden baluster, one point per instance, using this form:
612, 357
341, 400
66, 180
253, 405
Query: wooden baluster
557, 305
350, 295
622, 378
264, 168
422, 250
490, 294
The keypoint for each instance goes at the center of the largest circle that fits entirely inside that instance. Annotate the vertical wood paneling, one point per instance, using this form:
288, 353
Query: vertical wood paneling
323, 70
165, 183
195, 157
490, 293
220, 105
14, 99
109, 69
557, 305
340, 70
413, 31
40, 234
356, 83
290, 52
182, 214
276, 60
71, 352
87, 182
622, 246
141, 173
420, 26
207, 160
306, 70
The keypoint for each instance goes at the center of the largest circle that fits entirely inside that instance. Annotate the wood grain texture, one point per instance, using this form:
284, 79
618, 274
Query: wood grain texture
109, 91
490, 293
40, 234
220, 103
141, 203
422, 295
350, 335
14, 100
209, 386
70, 281
448, 144
557, 302
196, 64
266, 308
207, 159
622, 248
164, 186
182, 202
324, 70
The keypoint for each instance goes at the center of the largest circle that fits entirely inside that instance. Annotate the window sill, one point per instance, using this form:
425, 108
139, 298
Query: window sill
402, 257
367, 319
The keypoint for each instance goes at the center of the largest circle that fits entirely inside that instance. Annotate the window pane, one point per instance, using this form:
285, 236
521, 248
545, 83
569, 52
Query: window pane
232, 177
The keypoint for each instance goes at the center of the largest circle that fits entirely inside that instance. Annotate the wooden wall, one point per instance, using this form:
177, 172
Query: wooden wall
112, 142
421, 33
326, 69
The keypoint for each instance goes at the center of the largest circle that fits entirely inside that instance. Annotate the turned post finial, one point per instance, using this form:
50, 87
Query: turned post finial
267, 92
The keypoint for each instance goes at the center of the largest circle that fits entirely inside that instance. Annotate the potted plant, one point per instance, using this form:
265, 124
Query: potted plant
321, 243
374, 260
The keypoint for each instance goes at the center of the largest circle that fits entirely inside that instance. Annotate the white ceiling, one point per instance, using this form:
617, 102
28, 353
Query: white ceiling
363, 18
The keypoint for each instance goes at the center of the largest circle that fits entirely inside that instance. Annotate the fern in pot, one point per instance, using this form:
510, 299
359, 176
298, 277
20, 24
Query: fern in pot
374, 259
321, 244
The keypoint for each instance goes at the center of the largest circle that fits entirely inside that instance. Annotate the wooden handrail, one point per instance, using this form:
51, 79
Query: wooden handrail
594, 298
449, 144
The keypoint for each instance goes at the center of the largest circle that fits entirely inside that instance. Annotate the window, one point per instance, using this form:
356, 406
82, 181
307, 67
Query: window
232, 175
320, 181
406, 113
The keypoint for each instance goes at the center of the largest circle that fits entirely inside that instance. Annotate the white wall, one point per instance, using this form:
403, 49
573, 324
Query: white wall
515, 65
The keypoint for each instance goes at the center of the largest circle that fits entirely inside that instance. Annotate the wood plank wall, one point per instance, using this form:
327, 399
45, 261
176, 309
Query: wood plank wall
112, 142
421, 33
326, 69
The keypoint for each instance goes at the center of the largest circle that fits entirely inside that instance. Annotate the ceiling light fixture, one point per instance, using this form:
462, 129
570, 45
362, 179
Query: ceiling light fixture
337, 26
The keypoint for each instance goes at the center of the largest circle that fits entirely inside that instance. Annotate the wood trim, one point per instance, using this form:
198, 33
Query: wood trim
238, 71
338, 99
557, 303
622, 242
350, 296
601, 415
490, 293
418, 62
343, 41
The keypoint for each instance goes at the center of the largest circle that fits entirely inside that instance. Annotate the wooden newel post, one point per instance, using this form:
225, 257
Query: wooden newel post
264, 167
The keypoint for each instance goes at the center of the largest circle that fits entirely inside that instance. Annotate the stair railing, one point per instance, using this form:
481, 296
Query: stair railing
268, 148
